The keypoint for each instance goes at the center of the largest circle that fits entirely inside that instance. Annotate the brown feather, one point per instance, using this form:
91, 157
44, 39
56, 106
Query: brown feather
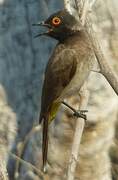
45, 142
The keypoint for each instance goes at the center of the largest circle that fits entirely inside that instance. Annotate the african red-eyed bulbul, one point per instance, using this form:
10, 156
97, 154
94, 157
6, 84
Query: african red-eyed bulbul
67, 68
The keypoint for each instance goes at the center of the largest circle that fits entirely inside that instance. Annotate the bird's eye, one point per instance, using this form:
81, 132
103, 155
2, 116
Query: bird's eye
56, 21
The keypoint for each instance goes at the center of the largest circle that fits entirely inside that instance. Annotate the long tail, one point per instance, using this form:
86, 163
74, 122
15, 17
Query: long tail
45, 142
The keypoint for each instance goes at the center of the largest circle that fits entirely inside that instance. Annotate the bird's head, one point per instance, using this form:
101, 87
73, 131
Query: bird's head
60, 25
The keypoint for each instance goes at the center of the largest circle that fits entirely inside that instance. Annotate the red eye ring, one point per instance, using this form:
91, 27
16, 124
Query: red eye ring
56, 21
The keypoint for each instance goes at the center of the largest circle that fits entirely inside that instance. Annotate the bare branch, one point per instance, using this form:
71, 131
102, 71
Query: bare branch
105, 68
22, 146
80, 122
32, 167
77, 7
71, 7
86, 7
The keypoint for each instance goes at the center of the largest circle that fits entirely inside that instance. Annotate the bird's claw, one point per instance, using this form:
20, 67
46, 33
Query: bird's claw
81, 114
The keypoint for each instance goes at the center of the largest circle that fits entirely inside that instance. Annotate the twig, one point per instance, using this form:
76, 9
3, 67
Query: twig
85, 10
80, 122
81, 8
29, 165
72, 7
105, 68
23, 145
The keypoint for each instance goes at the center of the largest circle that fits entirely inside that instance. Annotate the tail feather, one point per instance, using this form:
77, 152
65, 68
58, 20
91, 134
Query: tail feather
40, 118
45, 142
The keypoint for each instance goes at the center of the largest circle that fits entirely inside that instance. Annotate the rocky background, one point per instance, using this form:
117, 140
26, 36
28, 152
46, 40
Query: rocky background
22, 64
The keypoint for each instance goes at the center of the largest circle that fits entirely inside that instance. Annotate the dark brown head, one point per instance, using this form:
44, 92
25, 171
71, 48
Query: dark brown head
60, 25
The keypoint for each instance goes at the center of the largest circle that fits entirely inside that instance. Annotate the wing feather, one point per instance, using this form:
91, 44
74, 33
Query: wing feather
59, 72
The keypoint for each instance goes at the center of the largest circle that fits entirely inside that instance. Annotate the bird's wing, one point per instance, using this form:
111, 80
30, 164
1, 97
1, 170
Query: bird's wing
59, 72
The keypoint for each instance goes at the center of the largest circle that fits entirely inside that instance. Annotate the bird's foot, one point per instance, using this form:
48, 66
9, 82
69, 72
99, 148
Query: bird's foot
80, 114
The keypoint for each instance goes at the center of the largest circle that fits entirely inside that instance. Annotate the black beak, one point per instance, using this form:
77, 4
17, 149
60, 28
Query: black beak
42, 24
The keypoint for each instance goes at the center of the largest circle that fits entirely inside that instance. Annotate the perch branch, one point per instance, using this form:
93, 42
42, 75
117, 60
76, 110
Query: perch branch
80, 9
80, 122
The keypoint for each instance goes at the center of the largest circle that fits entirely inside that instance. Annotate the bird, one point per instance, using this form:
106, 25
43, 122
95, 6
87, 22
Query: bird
67, 68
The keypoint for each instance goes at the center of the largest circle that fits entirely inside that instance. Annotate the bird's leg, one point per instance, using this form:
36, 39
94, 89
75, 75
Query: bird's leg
77, 113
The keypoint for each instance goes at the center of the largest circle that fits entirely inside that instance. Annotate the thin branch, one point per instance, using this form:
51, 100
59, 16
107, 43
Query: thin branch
29, 165
79, 3
86, 7
96, 71
105, 68
23, 145
80, 122
72, 7
82, 8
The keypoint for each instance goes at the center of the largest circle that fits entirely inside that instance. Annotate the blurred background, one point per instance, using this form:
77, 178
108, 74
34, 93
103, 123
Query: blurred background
22, 63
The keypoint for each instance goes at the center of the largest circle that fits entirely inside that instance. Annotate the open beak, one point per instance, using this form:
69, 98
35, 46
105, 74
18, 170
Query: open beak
45, 25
